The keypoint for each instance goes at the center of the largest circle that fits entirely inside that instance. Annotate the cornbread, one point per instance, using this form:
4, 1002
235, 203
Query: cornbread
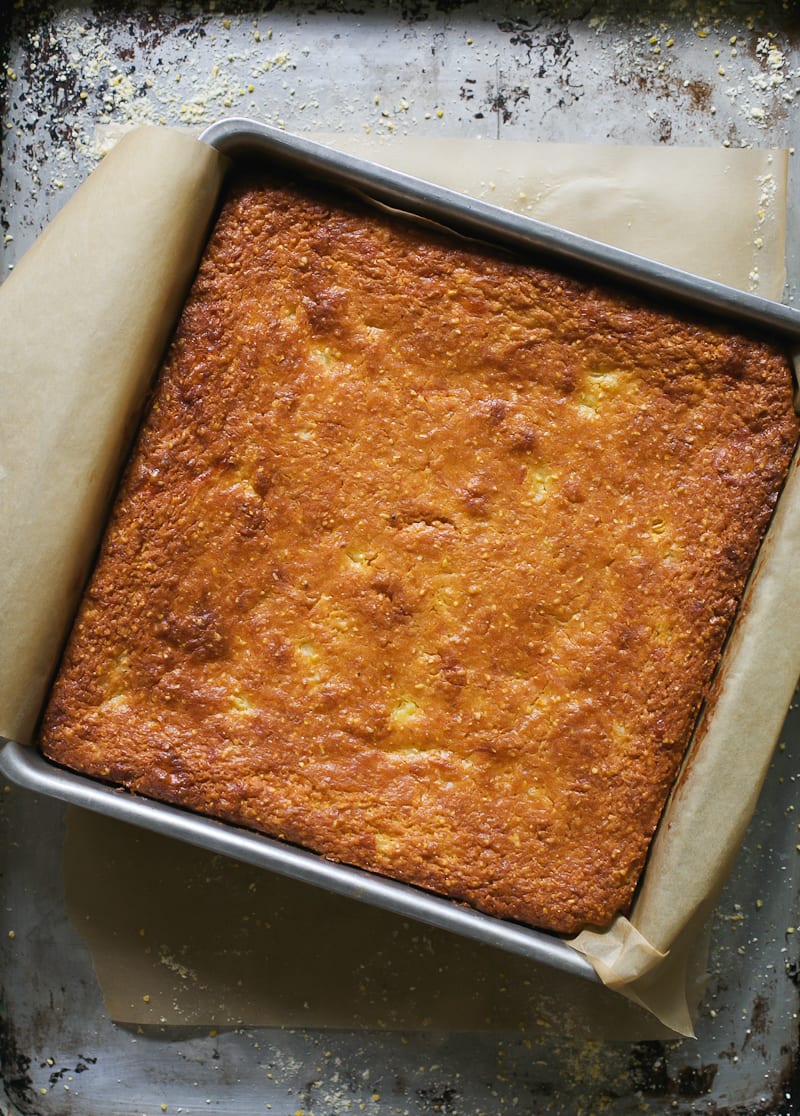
424, 558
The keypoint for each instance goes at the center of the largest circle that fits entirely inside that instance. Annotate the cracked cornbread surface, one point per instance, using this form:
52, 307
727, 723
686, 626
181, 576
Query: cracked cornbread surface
424, 558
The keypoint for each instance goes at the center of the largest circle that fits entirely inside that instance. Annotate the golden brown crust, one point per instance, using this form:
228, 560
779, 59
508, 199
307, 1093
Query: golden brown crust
424, 559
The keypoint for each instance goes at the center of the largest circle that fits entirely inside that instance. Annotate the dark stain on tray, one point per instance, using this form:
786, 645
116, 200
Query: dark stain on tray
700, 94
83, 1063
14, 1065
649, 1072
554, 46
759, 1016
648, 1069
442, 1099
505, 101
47, 78
781, 1099
4, 41
664, 129
697, 1081
791, 1085
548, 58
420, 12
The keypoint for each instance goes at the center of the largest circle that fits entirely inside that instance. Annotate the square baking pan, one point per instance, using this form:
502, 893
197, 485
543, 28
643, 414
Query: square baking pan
245, 140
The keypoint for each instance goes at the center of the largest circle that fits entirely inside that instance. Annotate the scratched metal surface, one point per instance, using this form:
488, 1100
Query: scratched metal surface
720, 73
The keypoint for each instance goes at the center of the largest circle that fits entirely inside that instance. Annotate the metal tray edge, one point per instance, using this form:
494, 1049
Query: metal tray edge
27, 768
240, 135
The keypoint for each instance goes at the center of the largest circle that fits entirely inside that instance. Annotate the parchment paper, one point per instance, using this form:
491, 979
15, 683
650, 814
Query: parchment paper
181, 936
643, 958
719, 213
649, 956
84, 320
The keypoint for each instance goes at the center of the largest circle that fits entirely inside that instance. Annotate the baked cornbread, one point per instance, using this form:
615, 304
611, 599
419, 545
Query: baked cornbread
424, 558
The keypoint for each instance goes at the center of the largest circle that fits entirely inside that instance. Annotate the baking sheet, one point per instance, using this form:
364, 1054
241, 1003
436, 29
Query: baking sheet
749, 304
560, 73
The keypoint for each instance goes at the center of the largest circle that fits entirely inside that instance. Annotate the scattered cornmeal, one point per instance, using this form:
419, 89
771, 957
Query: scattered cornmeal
425, 557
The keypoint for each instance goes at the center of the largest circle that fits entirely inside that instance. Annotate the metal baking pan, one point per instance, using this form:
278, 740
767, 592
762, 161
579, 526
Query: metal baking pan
244, 139
241, 138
